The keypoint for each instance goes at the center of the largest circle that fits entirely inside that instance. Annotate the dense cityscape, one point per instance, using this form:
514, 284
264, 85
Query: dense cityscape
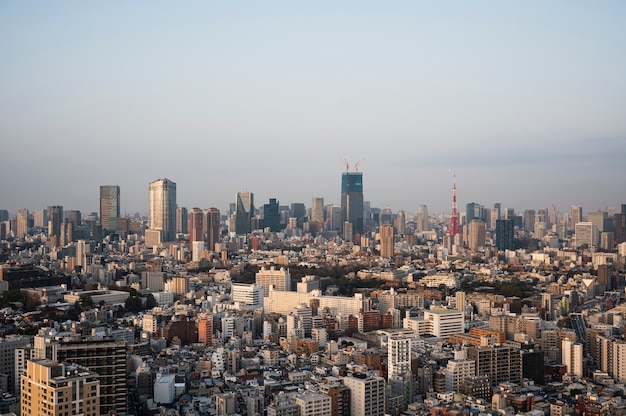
289, 310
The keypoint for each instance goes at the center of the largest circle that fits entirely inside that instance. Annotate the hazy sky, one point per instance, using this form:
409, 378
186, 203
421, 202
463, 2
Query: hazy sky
525, 101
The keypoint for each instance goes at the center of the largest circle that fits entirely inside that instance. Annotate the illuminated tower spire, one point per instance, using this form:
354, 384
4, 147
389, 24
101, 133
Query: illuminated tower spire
454, 220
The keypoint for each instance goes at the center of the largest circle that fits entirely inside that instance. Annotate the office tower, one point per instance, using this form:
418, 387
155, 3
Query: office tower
586, 233
498, 208
576, 216
352, 201
529, 220
339, 397
367, 394
422, 222
244, 212
104, 356
334, 218
298, 211
472, 210
22, 223
212, 227
55, 219
109, 207
40, 218
280, 279
4, 215
81, 255
75, 218
476, 235
386, 216
491, 216
182, 218
505, 233
619, 228
317, 209
532, 365
271, 216
572, 357
400, 223
443, 322
247, 294
387, 237
598, 218
162, 208
54, 389
499, 362
196, 225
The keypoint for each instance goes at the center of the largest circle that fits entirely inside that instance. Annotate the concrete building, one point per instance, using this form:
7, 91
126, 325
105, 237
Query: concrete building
248, 295
162, 208
572, 357
586, 233
313, 404
54, 389
387, 239
109, 207
444, 322
164, 389
280, 279
352, 201
244, 212
367, 394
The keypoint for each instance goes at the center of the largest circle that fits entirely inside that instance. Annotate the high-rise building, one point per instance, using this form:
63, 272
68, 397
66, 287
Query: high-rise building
529, 220
271, 215
367, 394
399, 356
40, 218
505, 233
576, 216
162, 208
476, 235
196, 225
109, 207
182, 218
244, 212
352, 201
280, 279
500, 363
572, 356
400, 223
8, 346
422, 222
54, 389
212, 227
473, 210
104, 356
247, 294
317, 209
586, 233
298, 211
387, 237
458, 370
205, 330
55, 219
22, 222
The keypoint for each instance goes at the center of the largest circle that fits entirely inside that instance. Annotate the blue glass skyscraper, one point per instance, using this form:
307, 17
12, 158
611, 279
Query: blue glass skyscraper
352, 200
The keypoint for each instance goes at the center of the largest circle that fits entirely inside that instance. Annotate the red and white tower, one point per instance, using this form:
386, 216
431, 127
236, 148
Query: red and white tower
454, 219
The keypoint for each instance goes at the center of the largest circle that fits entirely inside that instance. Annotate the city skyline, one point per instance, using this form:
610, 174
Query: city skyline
522, 101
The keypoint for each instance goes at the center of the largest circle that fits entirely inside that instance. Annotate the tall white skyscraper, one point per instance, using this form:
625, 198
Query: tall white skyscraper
162, 208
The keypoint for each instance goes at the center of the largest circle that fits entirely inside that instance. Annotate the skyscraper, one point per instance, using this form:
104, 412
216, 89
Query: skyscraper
212, 226
271, 216
504, 234
298, 211
162, 208
476, 234
196, 225
55, 219
244, 212
109, 207
577, 215
22, 222
182, 217
367, 395
352, 201
422, 222
387, 237
317, 209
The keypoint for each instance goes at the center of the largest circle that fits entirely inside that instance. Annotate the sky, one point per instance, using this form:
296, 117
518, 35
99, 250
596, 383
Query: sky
525, 102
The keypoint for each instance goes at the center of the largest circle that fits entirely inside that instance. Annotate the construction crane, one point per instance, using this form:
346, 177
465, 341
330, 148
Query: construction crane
357, 164
345, 163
